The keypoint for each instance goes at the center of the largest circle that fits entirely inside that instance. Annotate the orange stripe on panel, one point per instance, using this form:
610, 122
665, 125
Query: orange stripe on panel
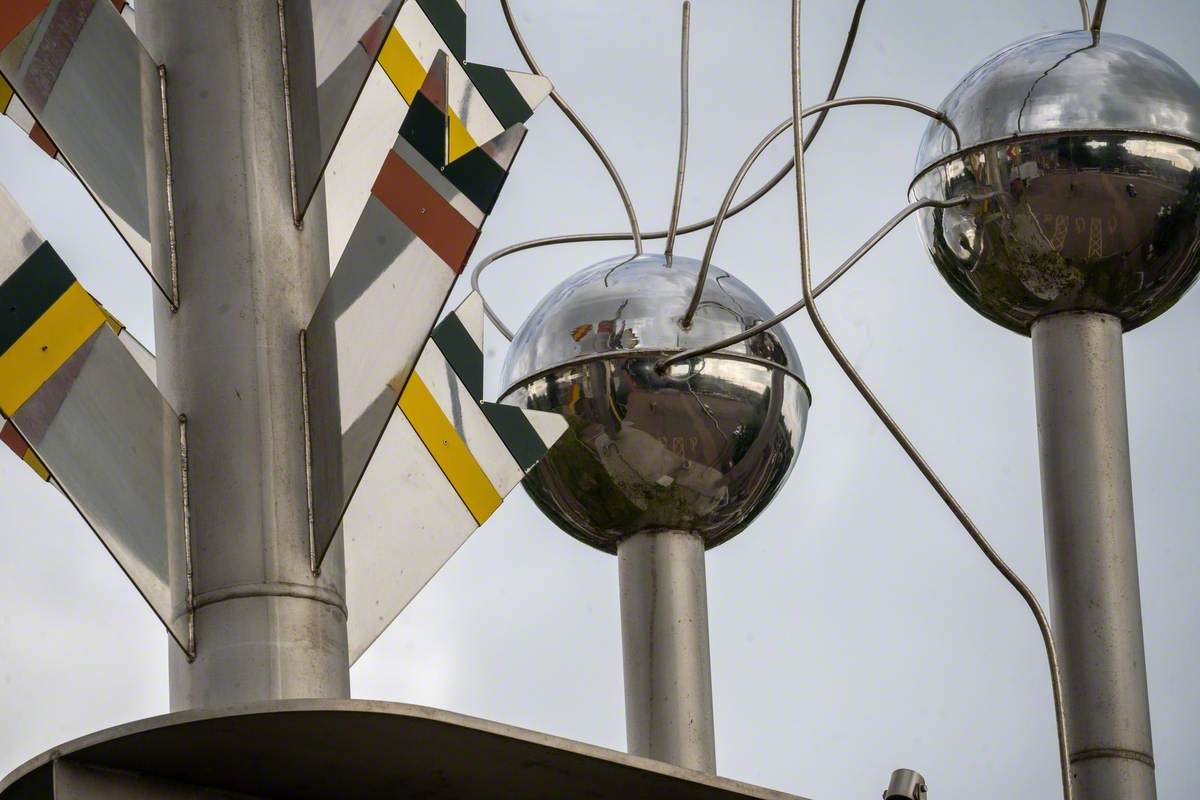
15, 441
17, 15
426, 213
42, 139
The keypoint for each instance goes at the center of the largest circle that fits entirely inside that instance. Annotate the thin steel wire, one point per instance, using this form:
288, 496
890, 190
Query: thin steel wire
1098, 17
723, 213
685, 39
894, 428
634, 228
1087, 14
579, 238
867, 246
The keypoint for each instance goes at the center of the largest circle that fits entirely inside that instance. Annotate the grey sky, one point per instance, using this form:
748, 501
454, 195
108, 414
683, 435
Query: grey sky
855, 628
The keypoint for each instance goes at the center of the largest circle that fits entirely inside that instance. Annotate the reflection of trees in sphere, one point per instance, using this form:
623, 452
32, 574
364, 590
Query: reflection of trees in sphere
1084, 157
702, 446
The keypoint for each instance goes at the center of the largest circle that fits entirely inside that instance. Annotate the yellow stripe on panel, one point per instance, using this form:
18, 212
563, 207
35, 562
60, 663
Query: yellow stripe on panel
114, 323
47, 344
449, 450
36, 464
404, 70
401, 65
461, 141
6, 93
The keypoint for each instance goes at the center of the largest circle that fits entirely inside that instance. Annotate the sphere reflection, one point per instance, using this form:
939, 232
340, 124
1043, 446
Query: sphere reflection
1084, 159
702, 446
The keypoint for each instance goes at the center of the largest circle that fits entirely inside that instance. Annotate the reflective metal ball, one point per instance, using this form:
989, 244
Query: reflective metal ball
702, 446
1084, 157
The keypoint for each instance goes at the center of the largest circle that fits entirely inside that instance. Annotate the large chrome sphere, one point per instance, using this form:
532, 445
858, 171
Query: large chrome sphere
1085, 155
702, 446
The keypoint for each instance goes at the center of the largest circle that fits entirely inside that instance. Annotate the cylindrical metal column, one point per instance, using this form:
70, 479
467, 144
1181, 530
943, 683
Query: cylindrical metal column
228, 359
664, 633
1087, 497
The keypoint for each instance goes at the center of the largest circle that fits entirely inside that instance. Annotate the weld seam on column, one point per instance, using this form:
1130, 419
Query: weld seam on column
297, 217
245, 590
170, 187
1113, 752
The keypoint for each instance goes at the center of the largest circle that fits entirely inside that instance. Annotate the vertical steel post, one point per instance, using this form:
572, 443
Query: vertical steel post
228, 359
1087, 497
664, 633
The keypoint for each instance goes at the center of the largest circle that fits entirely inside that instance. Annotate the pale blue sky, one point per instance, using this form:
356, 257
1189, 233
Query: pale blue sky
855, 628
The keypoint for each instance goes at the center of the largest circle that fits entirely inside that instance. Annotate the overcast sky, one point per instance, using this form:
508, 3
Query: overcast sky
855, 628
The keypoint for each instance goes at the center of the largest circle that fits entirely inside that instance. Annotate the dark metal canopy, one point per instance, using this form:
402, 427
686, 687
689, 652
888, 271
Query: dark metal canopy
349, 749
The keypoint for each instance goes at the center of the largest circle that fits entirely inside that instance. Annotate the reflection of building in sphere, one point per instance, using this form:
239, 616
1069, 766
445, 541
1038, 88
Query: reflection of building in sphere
702, 446
1085, 158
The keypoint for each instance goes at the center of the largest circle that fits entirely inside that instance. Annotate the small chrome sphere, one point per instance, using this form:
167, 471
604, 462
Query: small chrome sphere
1084, 158
702, 446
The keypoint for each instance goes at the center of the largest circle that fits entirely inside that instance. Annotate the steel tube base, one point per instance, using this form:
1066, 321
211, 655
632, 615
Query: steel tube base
664, 633
1091, 553
229, 358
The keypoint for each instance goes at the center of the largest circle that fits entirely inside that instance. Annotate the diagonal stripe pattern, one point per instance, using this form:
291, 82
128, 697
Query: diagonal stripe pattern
50, 317
444, 465
83, 412
472, 440
419, 224
79, 83
12, 107
484, 109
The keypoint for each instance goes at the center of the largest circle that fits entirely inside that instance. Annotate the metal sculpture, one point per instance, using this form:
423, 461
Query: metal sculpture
1081, 152
1062, 121
654, 405
439, 136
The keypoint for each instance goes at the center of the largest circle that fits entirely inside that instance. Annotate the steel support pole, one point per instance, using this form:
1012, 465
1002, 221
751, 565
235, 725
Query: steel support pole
228, 359
664, 633
1091, 554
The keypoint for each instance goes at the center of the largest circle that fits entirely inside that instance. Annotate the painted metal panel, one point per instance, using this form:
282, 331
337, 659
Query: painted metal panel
443, 466
85, 411
345, 40
412, 239
90, 93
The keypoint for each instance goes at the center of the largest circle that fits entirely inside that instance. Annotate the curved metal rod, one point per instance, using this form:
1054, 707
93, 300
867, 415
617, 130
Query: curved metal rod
1087, 14
591, 358
1098, 17
673, 227
867, 246
635, 229
686, 321
894, 428
851, 36
761, 192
